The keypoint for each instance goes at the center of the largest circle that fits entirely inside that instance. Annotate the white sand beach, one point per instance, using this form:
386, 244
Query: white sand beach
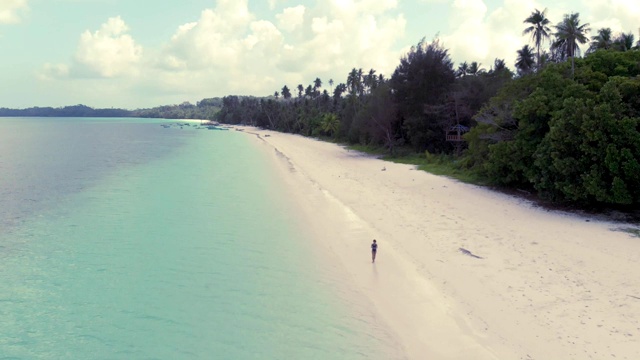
528, 283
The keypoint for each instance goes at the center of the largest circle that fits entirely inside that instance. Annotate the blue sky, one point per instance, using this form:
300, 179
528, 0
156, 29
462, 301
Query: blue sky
142, 53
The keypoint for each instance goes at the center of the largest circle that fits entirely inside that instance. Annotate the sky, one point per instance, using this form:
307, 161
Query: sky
143, 53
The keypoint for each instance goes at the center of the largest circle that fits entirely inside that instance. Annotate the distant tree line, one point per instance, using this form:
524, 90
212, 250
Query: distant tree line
563, 126
67, 111
204, 109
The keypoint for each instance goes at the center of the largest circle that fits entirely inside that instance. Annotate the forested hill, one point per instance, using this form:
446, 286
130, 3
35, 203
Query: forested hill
67, 111
204, 109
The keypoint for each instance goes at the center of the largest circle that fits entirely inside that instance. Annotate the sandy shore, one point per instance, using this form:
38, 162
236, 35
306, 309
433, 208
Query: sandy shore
464, 272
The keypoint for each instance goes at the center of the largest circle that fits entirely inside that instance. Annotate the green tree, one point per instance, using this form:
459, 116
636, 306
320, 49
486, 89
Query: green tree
475, 69
539, 30
592, 151
422, 78
286, 93
569, 34
498, 65
603, 40
624, 42
525, 61
330, 124
463, 69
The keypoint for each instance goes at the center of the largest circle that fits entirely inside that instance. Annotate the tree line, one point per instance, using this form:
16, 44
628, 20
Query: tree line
561, 125
204, 109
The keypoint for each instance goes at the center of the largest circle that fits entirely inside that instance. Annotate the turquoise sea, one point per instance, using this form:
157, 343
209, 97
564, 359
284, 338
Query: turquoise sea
126, 239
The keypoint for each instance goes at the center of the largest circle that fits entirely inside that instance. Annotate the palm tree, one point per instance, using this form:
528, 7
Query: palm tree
475, 69
545, 58
317, 84
569, 33
525, 60
539, 29
286, 93
371, 80
463, 69
498, 65
624, 42
601, 41
329, 123
339, 90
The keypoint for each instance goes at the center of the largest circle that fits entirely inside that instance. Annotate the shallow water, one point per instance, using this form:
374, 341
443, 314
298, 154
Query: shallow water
123, 239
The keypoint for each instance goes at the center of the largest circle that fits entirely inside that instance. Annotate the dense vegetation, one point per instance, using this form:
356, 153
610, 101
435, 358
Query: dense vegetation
204, 109
563, 126
67, 111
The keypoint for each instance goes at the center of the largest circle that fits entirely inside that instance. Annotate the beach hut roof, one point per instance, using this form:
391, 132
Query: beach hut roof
459, 127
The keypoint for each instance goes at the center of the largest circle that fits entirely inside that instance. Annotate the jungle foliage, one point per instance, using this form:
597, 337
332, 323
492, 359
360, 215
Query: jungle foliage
571, 138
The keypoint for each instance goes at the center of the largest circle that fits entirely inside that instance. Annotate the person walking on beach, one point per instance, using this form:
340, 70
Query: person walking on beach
374, 249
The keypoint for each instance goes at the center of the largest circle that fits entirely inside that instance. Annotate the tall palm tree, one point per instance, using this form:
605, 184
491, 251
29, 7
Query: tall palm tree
603, 40
525, 60
463, 69
352, 81
475, 69
569, 33
539, 29
624, 42
498, 65
286, 93
371, 80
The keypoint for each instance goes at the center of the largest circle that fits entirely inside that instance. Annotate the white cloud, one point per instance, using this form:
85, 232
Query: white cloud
291, 18
619, 15
230, 50
229, 47
53, 71
11, 11
108, 52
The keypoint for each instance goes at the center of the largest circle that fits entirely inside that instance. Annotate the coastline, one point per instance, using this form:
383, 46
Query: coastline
464, 272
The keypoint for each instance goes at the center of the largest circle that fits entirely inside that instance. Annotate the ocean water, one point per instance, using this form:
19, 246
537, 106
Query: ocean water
124, 239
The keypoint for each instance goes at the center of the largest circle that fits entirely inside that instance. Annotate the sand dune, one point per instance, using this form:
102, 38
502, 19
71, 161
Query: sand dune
464, 272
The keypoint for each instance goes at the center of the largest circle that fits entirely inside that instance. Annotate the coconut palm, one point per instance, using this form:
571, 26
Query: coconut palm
475, 69
603, 40
499, 65
545, 58
317, 84
624, 42
526, 60
463, 69
371, 80
539, 29
569, 33
286, 93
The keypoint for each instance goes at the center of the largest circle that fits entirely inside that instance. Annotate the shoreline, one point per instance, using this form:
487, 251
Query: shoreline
462, 271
